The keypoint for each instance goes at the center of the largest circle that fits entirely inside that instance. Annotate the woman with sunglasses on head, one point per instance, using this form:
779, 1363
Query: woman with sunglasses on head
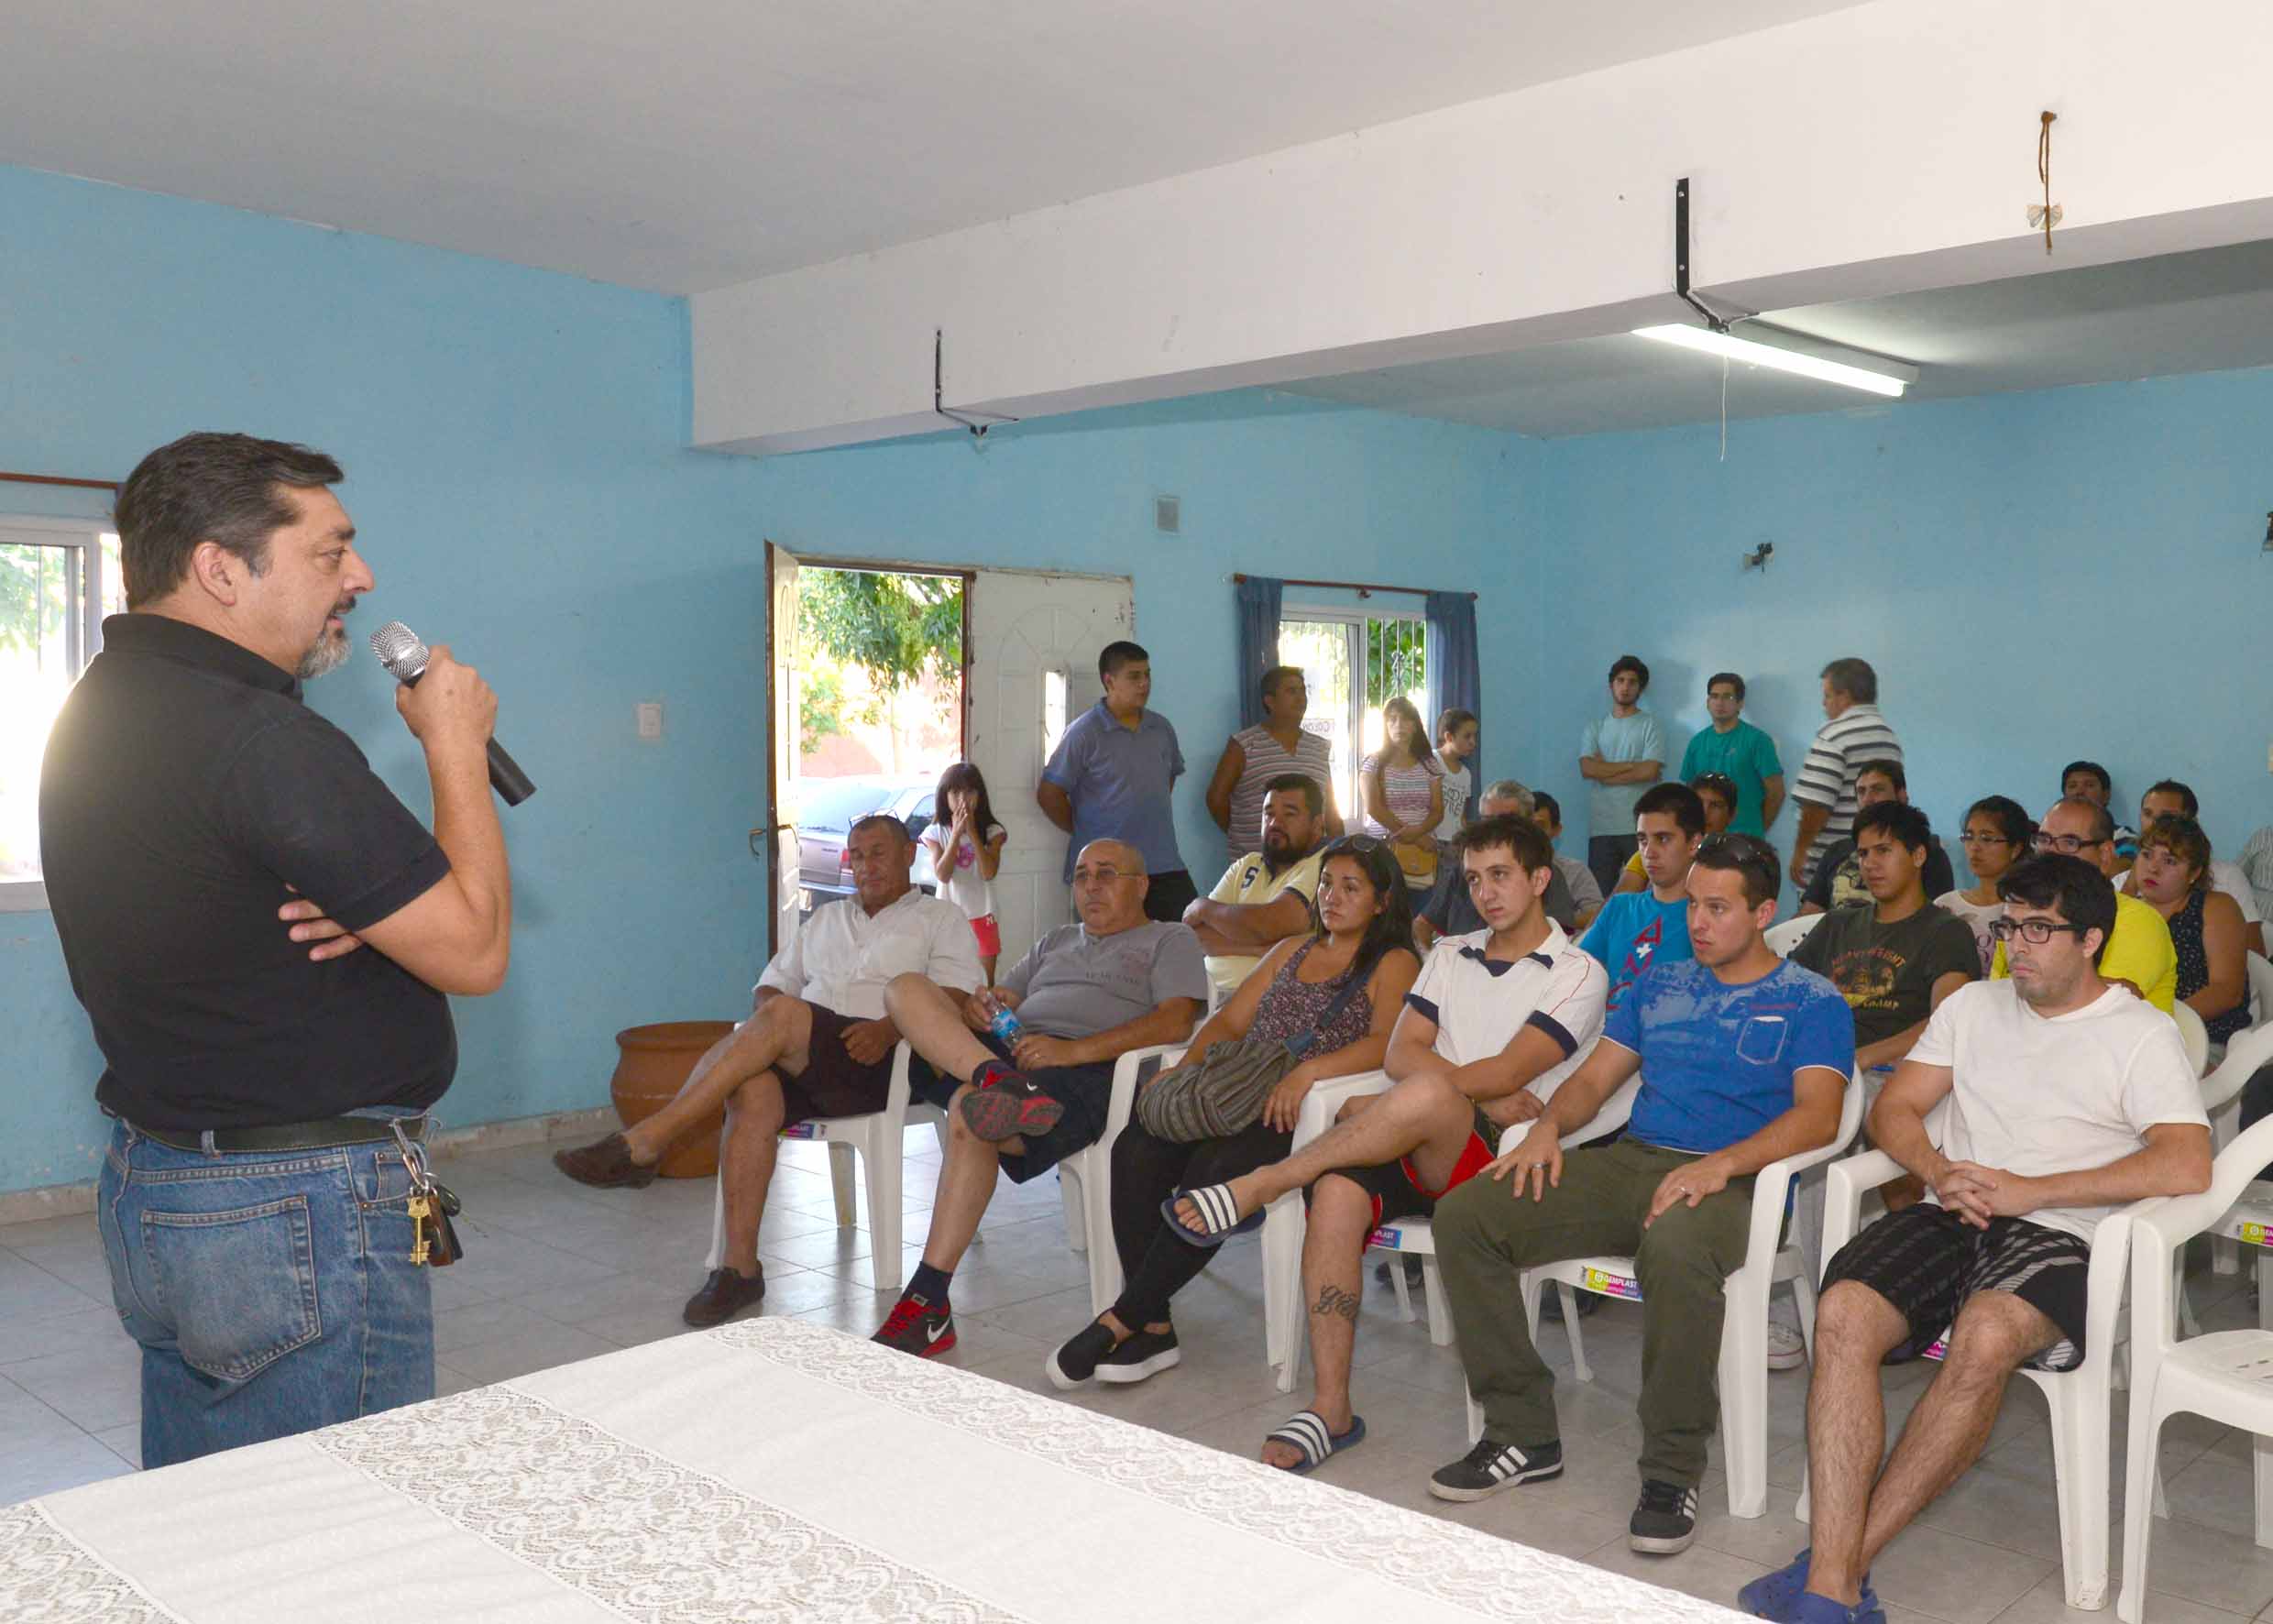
2171, 875
1998, 834
1402, 790
1344, 983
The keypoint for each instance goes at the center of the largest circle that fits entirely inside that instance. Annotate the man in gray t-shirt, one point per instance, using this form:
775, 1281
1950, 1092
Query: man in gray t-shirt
1083, 995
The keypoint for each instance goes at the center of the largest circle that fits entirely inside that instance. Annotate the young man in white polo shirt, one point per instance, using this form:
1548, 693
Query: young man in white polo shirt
2071, 1098
1496, 1021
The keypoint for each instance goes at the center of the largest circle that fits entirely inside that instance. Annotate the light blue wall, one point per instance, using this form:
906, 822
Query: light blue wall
2035, 577
515, 442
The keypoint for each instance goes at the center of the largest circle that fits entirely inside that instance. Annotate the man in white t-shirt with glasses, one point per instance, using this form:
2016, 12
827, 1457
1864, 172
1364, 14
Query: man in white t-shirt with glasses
2068, 1099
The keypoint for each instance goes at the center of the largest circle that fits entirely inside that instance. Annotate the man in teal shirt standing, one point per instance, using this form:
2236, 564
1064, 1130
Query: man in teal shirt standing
1733, 746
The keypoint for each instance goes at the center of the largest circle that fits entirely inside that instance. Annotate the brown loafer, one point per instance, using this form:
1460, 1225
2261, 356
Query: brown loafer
725, 1294
605, 1164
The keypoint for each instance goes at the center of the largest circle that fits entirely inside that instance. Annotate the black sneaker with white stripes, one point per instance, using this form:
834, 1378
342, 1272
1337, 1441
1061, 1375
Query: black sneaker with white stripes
1490, 1467
1664, 1519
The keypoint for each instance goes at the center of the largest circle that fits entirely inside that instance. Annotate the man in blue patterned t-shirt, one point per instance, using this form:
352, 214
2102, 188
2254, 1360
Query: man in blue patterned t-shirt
1743, 1060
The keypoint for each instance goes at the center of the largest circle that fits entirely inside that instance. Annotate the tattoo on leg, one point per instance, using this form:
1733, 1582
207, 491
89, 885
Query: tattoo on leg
1334, 1301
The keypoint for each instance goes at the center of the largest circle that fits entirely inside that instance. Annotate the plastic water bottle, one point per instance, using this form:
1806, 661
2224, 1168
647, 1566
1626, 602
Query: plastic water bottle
1002, 1022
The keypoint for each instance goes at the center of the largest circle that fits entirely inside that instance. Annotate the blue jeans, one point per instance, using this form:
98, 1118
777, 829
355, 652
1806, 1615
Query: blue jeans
272, 1291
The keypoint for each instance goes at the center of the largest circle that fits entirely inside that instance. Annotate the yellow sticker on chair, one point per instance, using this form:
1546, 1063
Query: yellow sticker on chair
1602, 1281
2253, 1235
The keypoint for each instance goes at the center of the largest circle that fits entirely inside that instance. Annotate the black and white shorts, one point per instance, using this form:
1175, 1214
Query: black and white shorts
1929, 1263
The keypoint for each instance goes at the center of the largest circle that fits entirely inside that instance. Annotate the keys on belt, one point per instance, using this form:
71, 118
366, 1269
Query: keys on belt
432, 1204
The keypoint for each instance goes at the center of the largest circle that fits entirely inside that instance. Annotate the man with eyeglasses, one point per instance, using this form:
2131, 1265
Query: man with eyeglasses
2068, 1099
1083, 995
1740, 752
2139, 952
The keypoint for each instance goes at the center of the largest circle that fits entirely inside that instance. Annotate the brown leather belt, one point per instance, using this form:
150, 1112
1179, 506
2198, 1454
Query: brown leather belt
293, 1136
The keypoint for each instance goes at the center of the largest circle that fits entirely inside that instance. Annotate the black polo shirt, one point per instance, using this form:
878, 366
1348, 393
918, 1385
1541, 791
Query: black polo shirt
185, 787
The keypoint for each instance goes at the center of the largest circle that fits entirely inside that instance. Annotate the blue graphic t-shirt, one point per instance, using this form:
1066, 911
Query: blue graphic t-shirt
1717, 1060
1634, 931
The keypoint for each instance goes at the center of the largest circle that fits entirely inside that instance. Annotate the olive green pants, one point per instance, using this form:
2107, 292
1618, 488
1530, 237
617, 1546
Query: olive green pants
1486, 1235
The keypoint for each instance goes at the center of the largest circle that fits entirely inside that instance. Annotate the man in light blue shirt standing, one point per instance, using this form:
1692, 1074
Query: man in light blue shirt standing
1619, 755
1735, 748
1110, 778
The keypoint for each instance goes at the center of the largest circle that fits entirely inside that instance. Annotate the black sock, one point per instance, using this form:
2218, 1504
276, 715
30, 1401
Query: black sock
930, 1284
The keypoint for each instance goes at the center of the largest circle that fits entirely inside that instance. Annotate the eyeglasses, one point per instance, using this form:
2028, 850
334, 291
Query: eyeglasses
2067, 845
2038, 931
1986, 841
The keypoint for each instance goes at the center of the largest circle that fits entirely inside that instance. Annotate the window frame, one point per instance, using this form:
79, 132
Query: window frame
83, 537
1355, 619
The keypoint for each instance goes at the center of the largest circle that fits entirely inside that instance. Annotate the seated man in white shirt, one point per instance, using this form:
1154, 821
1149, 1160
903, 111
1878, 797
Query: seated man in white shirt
817, 1042
1265, 896
2069, 1098
1494, 1024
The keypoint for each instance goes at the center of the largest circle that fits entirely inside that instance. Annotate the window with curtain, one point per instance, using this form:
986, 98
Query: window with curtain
1353, 662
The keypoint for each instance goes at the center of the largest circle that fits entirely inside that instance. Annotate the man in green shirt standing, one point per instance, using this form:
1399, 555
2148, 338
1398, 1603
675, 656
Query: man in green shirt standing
1744, 752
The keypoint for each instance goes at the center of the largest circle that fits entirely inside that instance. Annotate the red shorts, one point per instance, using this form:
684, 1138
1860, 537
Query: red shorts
990, 935
1396, 1186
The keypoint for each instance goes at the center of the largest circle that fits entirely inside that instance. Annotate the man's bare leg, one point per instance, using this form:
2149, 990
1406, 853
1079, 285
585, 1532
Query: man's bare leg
1424, 1117
1333, 1251
1855, 1330
776, 1033
931, 1020
746, 1157
1946, 1432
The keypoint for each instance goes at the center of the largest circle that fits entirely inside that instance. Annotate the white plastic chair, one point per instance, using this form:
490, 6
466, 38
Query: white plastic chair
2195, 1034
2077, 1399
876, 1138
2226, 1376
2221, 1097
2260, 988
1087, 1175
1784, 937
1286, 1221
1744, 1325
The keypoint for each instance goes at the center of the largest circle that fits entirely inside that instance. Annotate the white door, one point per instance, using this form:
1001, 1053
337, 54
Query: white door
1034, 646
785, 891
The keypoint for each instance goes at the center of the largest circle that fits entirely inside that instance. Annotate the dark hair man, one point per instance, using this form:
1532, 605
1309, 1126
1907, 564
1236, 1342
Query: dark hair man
1637, 930
1254, 757
1896, 956
2089, 781
1110, 777
1738, 750
1619, 755
1853, 734
1717, 1102
190, 804
1585, 895
2072, 1099
2139, 953
1839, 873
1265, 896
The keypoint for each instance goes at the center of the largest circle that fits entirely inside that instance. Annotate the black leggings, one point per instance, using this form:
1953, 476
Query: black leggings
1147, 1171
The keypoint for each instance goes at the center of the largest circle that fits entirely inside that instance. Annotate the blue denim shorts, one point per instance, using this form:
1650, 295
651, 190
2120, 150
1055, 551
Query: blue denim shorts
272, 1291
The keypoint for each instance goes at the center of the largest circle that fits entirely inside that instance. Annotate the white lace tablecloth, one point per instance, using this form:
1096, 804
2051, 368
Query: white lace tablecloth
768, 1470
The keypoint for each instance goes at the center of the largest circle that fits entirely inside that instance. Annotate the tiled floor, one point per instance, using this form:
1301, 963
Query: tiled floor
555, 1272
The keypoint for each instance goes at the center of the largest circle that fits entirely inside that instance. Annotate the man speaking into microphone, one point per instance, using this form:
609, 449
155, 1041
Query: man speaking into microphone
216, 854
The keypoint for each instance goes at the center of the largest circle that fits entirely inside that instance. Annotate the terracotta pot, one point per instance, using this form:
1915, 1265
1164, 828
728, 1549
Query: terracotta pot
651, 1068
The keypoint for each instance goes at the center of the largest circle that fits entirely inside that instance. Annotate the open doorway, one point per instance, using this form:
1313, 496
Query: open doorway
875, 677
880, 675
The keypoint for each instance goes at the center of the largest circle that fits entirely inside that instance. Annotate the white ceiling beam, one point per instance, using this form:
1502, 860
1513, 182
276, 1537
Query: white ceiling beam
1882, 149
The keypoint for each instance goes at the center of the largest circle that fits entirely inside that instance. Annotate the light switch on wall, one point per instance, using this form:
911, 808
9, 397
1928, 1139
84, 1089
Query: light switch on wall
651, 718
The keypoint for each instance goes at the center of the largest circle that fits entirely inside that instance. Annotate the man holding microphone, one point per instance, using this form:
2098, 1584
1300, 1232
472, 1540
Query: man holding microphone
214, 854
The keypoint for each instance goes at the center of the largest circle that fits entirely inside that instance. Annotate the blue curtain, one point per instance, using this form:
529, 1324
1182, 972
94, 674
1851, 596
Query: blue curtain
1454, 679
1258, 642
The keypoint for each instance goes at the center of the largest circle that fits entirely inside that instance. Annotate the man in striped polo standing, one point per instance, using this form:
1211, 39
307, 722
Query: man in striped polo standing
1856, 733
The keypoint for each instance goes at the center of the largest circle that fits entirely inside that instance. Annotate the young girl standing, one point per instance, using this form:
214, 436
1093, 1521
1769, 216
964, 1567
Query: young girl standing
965, 845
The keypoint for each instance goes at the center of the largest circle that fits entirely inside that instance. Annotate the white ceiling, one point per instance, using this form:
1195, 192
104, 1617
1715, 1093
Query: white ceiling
2179, 313
692, 144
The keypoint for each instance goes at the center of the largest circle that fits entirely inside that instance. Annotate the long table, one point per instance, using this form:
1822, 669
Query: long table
771, 1469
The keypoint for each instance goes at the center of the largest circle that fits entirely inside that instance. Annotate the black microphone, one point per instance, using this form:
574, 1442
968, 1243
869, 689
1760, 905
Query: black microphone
399, 651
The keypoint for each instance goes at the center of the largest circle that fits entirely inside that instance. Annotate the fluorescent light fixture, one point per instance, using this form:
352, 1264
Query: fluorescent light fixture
1713, 342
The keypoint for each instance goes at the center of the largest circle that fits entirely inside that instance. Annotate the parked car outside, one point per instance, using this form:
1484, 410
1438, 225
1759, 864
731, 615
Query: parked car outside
825, 811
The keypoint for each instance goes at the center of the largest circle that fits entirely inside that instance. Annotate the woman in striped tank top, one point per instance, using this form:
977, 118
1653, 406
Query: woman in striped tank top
1253, 756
